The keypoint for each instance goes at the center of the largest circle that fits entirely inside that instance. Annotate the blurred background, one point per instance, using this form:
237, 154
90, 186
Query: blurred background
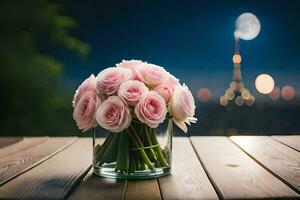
48, 47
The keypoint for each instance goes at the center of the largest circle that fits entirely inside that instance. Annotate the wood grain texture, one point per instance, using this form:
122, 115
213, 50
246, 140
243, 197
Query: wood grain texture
236, 175
280, 159
17, 163
97, 188
188, 180
20, 145
93, 187
54, 178
292, 141
142, 189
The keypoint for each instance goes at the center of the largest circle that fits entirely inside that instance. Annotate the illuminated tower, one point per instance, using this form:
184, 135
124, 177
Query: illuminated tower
237, 91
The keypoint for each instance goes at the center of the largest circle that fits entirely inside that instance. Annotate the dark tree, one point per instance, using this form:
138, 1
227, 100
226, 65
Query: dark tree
32, 101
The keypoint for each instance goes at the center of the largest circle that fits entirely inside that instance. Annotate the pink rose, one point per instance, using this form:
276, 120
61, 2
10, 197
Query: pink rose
172, 82
84, 111
113, 115
152, 75
109, 80
151, 109
165, 91
88, 84
131, 91
132, 65
182, 107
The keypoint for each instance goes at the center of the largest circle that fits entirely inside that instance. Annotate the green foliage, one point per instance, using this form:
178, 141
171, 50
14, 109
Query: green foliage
32, 101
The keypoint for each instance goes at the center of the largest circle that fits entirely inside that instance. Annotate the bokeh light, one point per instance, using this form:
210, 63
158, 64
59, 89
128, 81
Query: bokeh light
229, 94
233, 86
250, 101
236, 58
288, 92
204, 94
275, 94
240, 85
223, 100
245, 94
264, 83
239, 101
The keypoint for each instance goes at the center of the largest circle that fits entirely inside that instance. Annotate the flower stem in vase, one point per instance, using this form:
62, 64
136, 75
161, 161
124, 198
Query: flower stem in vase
132, 164
140, 148
136, 161
123, 153
142, 165
97, 150
160, 156
109, 150
150, 152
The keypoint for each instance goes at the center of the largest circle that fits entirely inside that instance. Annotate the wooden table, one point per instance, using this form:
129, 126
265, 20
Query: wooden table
238, 167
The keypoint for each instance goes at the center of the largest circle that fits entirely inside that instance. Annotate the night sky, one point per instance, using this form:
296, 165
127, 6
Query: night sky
191, 39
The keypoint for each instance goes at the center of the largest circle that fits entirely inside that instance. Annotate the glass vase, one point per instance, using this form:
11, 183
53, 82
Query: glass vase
139, 152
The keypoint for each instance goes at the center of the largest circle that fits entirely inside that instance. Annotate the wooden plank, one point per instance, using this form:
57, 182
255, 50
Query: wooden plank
236, 175
14, 164
20, 145
98, 188
54, 178
188, 179
280, 159
292, 141
143, 189
93, 187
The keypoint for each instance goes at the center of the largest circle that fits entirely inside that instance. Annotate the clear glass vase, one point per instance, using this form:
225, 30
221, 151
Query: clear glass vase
139, 152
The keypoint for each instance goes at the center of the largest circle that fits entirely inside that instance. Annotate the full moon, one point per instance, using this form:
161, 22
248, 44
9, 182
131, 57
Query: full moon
247, 26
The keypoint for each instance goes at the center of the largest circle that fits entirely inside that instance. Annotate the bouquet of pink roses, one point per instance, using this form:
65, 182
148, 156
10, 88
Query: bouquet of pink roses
130, 101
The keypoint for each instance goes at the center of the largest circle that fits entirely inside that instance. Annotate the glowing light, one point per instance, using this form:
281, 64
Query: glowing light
236, 34
275, 94
204, 94
264, 83
223, 101
239, 101
288, 92
250, 101
247, 26
240, 86
233, 86
245, 94
229, 94
237, 58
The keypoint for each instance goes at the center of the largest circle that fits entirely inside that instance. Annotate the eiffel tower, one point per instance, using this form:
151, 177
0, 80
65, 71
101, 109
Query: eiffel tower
237, 91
